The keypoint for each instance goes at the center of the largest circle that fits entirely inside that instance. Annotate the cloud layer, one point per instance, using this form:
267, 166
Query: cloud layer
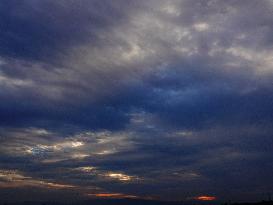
163, 99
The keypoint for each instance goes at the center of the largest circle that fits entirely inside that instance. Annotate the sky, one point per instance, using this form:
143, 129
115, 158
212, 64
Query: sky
149, 99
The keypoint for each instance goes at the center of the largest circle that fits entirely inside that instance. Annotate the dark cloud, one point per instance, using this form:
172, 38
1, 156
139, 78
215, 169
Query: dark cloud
164, 99
45, 30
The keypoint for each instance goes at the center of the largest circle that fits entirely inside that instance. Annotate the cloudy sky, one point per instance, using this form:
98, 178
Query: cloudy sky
152, 99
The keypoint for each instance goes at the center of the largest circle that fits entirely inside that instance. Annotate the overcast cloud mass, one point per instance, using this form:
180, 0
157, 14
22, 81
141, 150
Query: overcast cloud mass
144, 99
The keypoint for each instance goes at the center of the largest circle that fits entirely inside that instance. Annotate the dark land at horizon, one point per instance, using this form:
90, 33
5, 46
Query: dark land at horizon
134, 202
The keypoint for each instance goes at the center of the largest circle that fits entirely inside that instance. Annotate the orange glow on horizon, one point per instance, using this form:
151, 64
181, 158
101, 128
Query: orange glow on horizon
113, 195
205, 198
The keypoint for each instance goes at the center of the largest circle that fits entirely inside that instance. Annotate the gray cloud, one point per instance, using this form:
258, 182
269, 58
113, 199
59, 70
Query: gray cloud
175, 96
